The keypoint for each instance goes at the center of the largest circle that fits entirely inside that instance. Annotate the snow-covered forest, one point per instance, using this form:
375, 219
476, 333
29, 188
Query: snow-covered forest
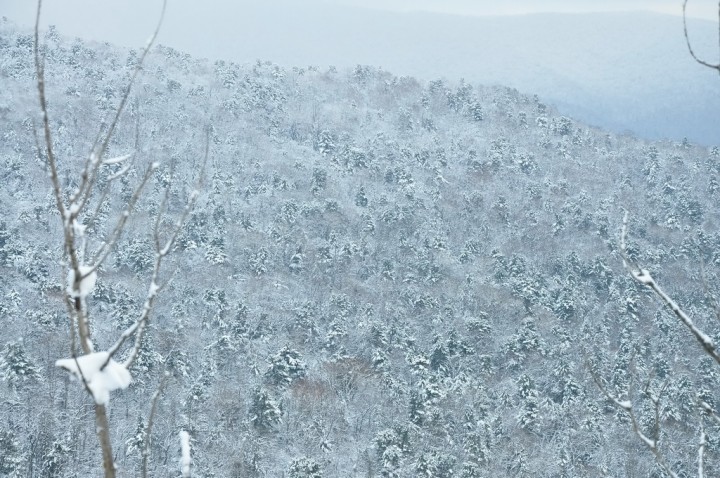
382, 276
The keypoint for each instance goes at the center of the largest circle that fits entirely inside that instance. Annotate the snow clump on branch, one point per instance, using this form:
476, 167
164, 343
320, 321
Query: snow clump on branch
88, 277
99, 380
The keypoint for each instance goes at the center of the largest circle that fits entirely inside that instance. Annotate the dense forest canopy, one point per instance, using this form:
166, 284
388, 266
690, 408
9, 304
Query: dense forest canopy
383, 277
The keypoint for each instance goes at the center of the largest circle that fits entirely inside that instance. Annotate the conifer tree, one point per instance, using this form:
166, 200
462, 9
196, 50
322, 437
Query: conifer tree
15, 367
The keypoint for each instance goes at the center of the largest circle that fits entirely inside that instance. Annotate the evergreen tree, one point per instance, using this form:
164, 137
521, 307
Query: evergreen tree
12, 462
15, 367
265, 411
361, 199
55, 459
304, 468
136, 443
285, 366
529, 413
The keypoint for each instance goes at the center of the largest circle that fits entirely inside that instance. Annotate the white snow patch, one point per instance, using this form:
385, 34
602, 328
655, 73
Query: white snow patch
118, 159
154, 288
705, 339
100, 382
643, 277
88, 277
124, 170
74, 209
185, 459
79, 229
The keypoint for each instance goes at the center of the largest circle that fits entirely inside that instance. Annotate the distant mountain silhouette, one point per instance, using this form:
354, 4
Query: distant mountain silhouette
620, 71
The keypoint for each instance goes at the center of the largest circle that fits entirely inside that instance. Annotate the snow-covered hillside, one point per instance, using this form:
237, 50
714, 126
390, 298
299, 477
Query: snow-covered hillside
383, 277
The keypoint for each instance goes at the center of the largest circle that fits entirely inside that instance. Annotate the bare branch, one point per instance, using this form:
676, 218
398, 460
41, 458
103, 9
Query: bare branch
644, 277
689, 45
151, 419
652, 444
110, 242
139, 327
100, 150
74, 233
65, 215
49, 154
701, 451
161, 251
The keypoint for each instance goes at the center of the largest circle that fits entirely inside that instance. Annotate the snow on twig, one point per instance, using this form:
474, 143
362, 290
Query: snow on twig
100, 379
701, 451
83, 286
185, 459
118, 159
653, 444
644, 277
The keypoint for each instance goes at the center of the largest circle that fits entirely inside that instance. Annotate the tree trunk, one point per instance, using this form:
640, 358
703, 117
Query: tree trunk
103, 433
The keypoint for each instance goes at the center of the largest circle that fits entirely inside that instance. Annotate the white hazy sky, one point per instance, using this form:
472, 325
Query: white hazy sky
697, 8
17, 9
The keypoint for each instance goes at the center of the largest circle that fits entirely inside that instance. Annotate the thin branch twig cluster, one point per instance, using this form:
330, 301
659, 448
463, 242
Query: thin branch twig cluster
79, 212
653, 443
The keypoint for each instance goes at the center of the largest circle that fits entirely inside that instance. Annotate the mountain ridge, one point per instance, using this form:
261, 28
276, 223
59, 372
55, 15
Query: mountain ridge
634, 70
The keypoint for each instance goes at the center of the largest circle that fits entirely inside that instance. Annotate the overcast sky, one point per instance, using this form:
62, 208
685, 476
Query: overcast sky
699, 8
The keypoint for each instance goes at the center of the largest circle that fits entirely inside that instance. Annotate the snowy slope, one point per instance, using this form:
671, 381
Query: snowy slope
383, 275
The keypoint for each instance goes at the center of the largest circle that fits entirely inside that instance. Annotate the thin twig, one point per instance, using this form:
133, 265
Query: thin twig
701, 450
644, 277
151, 418
65, 214
161, 251
50, 155
115, 235
652, 444
151, 41
689, 45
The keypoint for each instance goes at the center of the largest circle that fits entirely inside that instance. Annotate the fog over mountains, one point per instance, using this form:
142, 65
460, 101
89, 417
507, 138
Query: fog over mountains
621, 71
618, 71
